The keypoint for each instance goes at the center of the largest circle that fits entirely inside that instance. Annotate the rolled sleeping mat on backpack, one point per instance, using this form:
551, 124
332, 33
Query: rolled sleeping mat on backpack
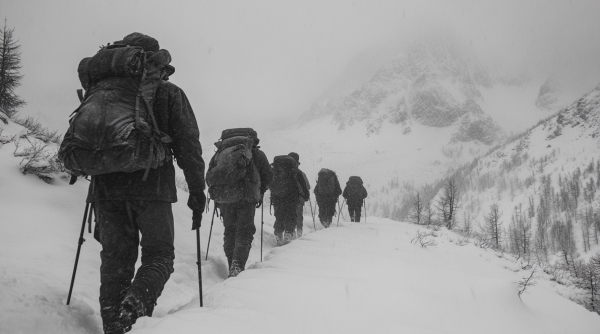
235, 132
123, 61
355, 180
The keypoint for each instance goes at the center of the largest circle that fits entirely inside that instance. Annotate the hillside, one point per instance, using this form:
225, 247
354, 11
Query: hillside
544, 184
380, 276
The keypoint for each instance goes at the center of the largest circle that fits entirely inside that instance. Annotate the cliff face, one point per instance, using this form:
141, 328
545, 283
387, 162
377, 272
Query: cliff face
432, 83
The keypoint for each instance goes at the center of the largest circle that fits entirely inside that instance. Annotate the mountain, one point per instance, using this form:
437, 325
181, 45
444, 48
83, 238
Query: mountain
567, 83
434, 83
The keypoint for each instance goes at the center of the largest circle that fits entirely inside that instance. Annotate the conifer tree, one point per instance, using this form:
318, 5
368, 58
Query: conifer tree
10, 77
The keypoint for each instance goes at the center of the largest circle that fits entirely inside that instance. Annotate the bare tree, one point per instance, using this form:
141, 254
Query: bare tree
10, 78
428, 214
417, 211
448, 204
493, 226
520, 233
562, 234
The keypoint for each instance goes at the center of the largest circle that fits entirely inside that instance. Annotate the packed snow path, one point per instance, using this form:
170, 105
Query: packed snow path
370, 278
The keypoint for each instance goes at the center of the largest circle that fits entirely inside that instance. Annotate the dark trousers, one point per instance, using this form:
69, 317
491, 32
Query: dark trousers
300, 214
285, 216
238, 219
119, 225
354, 212
326, 208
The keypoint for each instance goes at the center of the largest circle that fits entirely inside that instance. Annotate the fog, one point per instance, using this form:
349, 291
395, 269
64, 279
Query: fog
261, 63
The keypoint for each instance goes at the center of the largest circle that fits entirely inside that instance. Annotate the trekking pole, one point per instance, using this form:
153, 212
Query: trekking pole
198, 262
210, 233
262, 222
312, 214
365, 205
338, 222
81, 241
341, 213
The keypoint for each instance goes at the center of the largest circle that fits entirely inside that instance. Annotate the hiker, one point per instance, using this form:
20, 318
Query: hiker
355, 194
327, 192
133, 182
305, 196
238, 176
287, 191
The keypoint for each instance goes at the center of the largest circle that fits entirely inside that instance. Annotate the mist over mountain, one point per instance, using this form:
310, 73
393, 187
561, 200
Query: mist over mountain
434, 82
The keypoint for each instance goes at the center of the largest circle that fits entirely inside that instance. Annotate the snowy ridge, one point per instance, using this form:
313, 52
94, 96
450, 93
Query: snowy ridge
545, 183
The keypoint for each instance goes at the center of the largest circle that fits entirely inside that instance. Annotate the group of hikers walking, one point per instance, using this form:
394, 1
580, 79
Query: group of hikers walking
130, 128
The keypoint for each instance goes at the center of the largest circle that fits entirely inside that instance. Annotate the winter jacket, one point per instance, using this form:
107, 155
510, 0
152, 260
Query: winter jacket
174, 116
304, 186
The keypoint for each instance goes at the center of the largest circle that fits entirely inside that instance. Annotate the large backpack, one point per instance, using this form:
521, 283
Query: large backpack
285, 183
114, 128
233, 175
326, 185
354, 189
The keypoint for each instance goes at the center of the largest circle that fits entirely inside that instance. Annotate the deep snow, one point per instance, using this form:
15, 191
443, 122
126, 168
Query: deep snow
355, 278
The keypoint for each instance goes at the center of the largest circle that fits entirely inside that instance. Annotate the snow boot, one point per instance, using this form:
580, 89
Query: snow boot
235, 269
299, 233
279, 237
325, 223
131, 310
287, 238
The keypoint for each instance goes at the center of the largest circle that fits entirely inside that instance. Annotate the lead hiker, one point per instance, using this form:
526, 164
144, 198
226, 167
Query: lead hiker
130, 125
327, 192
238, 176
287, 190
355, 194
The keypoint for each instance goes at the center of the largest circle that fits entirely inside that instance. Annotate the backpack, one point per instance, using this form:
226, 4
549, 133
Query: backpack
326, 183
114, 128
233, 175
354, 189
285, 182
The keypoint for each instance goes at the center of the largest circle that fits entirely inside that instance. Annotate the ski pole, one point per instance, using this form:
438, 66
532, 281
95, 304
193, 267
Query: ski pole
81, 241
262, 222
210, 233
312, 214
198, 262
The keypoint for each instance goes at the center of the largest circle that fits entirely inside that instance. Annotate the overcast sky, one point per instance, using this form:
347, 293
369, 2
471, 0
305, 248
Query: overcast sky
244, 63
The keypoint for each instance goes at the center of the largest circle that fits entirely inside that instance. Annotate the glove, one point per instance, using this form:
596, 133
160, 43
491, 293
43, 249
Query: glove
260, 202
197, 202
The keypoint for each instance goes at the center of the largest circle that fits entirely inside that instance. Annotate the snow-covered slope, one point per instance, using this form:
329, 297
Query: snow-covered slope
370, 278
354, 278
545, 184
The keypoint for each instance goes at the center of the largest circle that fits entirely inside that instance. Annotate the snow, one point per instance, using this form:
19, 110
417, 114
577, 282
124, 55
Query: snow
355, 278
365, 278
